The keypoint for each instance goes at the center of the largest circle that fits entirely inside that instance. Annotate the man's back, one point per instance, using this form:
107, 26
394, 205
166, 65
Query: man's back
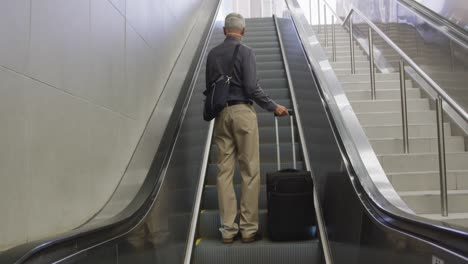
244, 85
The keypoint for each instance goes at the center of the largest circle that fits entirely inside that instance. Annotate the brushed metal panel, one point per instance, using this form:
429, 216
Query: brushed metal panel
13, 163
107, 57
59, 48
15, 34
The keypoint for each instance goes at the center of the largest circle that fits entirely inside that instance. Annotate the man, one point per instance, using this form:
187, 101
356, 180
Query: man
236, 132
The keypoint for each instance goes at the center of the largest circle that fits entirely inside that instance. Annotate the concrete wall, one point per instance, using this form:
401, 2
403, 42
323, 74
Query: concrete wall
78, 81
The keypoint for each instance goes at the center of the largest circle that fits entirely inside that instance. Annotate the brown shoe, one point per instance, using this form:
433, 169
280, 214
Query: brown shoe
230, 240
255, 237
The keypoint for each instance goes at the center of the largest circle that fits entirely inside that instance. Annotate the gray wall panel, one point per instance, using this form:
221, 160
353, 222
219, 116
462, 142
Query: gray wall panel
78, 82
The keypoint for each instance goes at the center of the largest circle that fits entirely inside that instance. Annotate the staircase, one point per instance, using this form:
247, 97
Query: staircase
415, 176
262, 37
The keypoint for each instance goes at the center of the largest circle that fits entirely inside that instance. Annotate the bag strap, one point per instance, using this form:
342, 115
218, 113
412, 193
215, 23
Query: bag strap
233, 60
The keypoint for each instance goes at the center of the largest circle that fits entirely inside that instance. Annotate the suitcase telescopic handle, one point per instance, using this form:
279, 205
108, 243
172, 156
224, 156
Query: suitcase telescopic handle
278, 155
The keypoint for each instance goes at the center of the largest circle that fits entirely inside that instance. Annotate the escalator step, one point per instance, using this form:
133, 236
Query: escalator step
260, 28
269, 57
274, 65
278, 93
273, 83
252, 34
261, 36
209, 223
260, 252
258, 39
267, 51
270, 74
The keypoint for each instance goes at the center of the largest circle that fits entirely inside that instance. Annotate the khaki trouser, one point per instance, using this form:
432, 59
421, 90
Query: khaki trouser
236, 136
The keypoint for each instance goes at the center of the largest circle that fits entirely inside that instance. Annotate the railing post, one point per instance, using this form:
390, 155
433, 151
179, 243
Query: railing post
318, 15
404, 109
310, 12
333, 39
278, 156
325, 25
351, 45
442, 164
371, 64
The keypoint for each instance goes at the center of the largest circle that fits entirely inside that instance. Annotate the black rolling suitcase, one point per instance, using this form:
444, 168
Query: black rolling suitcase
291, 214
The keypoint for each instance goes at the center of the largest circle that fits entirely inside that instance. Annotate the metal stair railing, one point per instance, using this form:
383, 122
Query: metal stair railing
441, 98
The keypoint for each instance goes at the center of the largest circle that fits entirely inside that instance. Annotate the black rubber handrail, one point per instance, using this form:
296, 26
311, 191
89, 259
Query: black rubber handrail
422, 10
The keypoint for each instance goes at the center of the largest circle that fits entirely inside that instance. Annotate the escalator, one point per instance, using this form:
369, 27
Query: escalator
174, 218
262, 37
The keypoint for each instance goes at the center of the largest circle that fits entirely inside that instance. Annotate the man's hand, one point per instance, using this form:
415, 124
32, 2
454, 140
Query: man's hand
281, 111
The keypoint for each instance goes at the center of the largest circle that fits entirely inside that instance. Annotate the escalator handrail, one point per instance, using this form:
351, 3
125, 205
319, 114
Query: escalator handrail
392, 214
436, 88
206, 153
113, 226
428, 14
460, 39
430, 230
317, 206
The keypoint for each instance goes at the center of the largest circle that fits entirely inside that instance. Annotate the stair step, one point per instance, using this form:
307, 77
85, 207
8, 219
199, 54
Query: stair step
347, 65
339, 72
428, 202
347, 58
389, 118
428, 180
416, 145
361, 85
386, 94
415, 162
365, 77
344, 53
395, 131
389, 105
459, 219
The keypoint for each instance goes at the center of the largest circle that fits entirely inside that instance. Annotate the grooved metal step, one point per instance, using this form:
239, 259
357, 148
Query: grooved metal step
260, 252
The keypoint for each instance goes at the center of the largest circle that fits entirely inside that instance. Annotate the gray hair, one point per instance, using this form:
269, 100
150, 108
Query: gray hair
234, 21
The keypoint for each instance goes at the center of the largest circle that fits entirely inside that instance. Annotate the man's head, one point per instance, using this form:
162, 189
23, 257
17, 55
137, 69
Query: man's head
234, 25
